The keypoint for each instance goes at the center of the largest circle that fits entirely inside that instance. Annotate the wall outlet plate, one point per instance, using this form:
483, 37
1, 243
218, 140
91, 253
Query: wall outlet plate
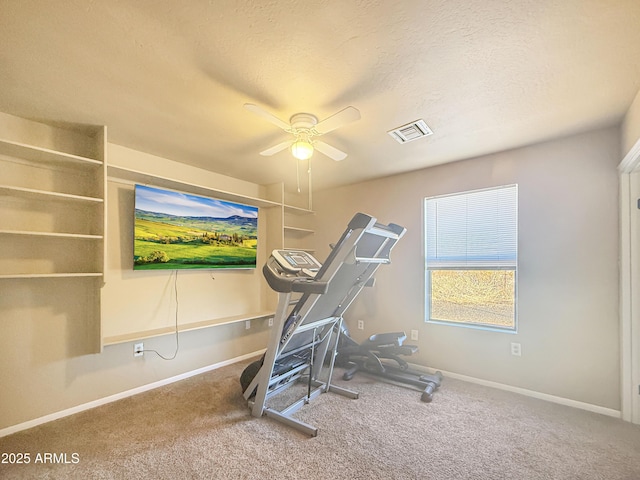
271, 321
138, 349
414, 334
516, 349
360, 324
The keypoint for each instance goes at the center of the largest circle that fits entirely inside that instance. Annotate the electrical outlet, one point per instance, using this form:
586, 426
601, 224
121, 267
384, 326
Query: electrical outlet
247, 324
516, 349
360, 324
271, 321
138, 349
414, 334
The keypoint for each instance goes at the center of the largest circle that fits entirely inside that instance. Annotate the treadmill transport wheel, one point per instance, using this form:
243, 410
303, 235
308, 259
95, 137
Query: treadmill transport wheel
248, 375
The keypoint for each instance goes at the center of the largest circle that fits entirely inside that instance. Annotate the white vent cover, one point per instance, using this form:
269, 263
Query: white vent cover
411, 131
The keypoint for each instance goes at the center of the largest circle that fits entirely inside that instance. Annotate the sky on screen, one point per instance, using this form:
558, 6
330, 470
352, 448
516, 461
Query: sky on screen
182, 204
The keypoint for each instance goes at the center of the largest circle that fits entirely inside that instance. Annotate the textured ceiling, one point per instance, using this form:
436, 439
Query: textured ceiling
170, 77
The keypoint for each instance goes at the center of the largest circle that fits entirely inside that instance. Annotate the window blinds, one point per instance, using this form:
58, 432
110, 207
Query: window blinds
474, 229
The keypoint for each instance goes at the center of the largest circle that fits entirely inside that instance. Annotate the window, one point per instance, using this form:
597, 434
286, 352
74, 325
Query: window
471, 256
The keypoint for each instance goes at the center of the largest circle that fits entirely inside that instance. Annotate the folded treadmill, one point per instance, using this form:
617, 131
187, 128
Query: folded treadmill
303, 341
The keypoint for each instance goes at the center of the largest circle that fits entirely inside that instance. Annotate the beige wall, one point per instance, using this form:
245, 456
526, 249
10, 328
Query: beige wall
44, 367
568, 272
135, 301
568, 284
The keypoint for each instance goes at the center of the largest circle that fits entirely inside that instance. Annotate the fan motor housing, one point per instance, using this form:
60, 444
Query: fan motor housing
303, 120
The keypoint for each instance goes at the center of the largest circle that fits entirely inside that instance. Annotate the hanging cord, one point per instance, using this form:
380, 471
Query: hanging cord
308, 175
310, 206
175, 290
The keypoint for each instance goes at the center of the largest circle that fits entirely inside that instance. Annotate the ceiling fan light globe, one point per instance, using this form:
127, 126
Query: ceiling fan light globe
301, 150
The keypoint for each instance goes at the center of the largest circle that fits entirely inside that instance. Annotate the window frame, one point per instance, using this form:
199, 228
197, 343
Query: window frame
485, 266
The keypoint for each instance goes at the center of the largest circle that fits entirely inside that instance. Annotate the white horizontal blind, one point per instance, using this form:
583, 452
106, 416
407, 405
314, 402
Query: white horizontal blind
473, 229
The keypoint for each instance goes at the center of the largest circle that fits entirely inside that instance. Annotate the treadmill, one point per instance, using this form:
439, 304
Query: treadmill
304, 337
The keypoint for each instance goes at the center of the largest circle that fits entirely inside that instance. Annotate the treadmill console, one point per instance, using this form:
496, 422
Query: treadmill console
293, 271
297, 262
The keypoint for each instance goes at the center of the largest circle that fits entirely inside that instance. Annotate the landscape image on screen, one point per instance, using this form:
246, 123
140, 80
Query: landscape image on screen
177, 230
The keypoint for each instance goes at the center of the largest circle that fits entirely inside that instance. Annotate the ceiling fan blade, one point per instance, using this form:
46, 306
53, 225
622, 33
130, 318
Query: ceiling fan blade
344, 116
267, 116
331, 152
276, 148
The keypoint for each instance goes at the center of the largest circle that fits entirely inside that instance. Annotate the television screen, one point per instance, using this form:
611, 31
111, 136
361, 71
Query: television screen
177, 230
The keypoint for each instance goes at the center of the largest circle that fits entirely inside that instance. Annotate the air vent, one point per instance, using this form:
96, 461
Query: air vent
410, 131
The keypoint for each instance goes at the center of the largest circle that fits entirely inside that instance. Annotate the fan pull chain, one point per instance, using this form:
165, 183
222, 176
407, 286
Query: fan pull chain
310, 205
298, 173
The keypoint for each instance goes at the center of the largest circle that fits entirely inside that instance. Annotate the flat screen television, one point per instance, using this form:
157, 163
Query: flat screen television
176, 230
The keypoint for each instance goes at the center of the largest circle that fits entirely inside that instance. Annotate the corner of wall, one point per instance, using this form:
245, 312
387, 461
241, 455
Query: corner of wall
631, 126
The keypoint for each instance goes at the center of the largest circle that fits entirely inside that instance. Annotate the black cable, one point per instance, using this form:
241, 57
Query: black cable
175, 289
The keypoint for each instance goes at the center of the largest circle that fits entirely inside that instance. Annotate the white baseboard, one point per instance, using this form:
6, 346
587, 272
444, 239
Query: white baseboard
119, 396
529, 393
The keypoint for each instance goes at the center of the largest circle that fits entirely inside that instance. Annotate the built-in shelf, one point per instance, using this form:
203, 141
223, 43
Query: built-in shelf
157, 332
296, 231
302, 231
51, 234
297, 210
49, 275
45, 194
53, 221
143, 178
310, 250
43, 155
23, 165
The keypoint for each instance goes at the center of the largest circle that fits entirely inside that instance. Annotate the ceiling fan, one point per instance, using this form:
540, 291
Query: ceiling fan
305, 129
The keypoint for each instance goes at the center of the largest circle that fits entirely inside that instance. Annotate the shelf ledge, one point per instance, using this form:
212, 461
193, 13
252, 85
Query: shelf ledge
16, 276
299, 230
31, 192
51, 234
39, 154
143, 178
298, 210
186, 327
